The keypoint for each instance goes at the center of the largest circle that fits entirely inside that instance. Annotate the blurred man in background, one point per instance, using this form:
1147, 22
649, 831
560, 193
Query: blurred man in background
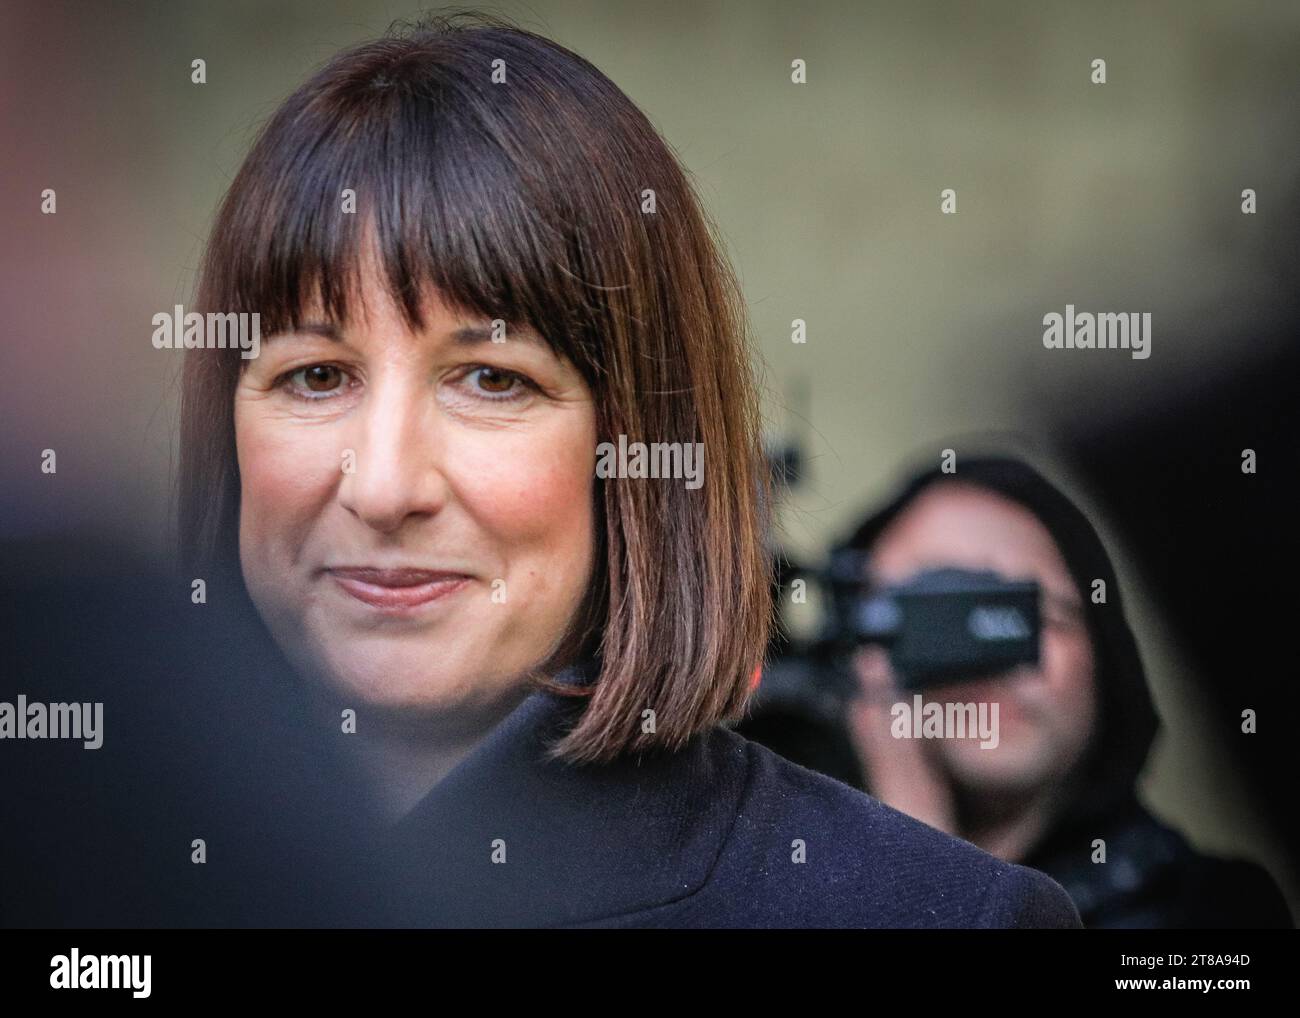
1057, 791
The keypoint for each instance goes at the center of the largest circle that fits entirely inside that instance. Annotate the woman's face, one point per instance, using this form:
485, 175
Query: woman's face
416, 521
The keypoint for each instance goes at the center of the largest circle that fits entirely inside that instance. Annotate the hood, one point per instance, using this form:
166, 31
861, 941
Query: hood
1126, 719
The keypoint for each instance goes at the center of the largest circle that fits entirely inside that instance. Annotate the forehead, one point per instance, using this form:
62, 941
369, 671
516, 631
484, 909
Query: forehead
374, 315
954, 524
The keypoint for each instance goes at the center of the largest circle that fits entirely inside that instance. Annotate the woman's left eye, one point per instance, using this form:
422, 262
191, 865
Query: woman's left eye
497, 384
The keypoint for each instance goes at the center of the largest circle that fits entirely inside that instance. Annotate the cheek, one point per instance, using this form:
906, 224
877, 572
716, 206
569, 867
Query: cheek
284, 476
532, 495
1069, 668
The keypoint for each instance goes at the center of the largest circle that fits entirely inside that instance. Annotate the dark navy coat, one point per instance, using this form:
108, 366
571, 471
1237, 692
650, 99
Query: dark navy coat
704, 837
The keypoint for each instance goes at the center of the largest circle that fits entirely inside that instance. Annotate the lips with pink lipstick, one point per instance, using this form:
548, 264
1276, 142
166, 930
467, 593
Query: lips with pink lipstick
396, 589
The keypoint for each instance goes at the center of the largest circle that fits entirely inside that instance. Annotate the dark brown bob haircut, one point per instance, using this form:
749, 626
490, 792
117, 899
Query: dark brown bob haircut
523, 199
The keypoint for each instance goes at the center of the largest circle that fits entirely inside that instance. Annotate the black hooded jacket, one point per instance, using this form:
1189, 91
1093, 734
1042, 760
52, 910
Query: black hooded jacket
1152, 877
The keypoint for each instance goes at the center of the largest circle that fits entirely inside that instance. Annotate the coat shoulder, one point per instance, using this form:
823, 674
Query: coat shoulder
806, 850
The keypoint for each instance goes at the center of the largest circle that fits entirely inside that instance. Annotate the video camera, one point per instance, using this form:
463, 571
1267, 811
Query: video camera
941, 626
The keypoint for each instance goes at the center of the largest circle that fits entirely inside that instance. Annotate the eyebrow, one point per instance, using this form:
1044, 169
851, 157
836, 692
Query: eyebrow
466, 335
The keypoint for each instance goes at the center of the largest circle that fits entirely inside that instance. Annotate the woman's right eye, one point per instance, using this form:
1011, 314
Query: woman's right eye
316, 381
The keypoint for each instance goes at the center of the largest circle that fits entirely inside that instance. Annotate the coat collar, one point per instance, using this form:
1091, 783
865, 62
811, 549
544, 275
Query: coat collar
511, 838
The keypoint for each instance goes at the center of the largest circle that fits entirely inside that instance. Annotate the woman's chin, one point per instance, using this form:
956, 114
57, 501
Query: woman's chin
400, 682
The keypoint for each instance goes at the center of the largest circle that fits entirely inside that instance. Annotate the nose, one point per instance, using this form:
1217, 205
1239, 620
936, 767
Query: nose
395, 471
